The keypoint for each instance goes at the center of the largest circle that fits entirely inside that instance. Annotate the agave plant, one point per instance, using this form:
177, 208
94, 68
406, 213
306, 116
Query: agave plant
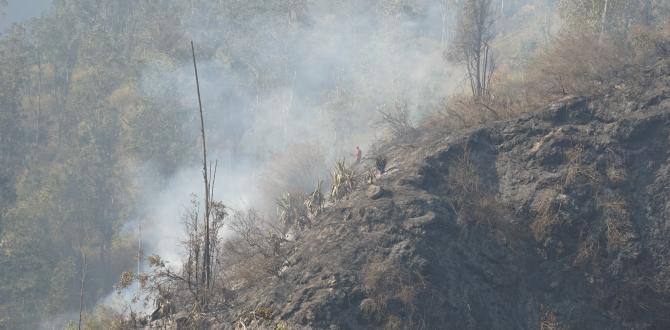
370, 175
343, 181
291, 210
314, 201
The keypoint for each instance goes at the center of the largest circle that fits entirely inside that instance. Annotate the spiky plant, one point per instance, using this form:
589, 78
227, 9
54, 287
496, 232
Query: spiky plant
291, 210
314, 201
370, 175
343, 181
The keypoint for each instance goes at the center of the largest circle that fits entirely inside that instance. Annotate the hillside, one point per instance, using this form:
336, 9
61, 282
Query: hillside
193, 164
556, 219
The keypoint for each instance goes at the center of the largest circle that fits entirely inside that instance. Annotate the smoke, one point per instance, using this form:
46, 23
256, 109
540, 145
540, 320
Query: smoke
284, 76
277, 76
17, 11
274, 76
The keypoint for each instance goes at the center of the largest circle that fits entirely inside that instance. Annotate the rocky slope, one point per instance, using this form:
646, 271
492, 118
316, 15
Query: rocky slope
557, 219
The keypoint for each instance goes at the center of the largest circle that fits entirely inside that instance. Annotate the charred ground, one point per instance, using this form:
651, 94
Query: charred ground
556, 219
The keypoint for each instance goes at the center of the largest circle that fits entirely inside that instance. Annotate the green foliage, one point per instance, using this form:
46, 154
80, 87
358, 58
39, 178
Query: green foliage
71, 126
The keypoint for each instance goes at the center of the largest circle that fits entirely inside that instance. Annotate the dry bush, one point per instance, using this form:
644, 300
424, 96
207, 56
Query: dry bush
256, 250
477, 206
576, 171
548, 319
572, 64
385, 284
396, 119
619, 230
461, 111
587, 251
582, 64
546, 207
193, 271
472, 202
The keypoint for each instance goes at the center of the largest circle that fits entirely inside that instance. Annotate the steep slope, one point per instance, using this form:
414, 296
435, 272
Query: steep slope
558, 219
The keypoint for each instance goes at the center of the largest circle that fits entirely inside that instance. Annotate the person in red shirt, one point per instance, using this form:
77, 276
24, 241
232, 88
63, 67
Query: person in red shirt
358, 154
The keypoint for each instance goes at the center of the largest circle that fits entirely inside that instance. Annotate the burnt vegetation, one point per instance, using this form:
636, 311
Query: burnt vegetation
531, 195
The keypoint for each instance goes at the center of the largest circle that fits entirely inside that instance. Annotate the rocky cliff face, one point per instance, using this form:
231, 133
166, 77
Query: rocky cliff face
558, 219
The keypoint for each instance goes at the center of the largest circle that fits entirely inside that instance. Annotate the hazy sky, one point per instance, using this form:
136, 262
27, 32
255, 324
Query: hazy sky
19, 10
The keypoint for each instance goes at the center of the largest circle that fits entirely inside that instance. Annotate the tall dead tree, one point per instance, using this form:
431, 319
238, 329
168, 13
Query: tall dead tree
472, 45
84, 270
209, 175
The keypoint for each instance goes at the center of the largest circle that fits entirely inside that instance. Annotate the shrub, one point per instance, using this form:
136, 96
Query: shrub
380, 163
292, 211
385, 284
461, 111
256, 250
314, 202
396, 119
575, 64
343, 181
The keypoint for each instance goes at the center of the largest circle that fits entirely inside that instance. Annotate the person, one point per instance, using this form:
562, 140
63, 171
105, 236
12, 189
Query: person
358, 154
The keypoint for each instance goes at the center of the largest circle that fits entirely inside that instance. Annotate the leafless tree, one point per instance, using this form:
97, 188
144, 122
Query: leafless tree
396, 118
258, 247
472, 45
209, 178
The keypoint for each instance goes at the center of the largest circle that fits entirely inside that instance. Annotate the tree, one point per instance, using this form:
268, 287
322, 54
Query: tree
84, 270
209, 178
607, 17
472, 45
3, 5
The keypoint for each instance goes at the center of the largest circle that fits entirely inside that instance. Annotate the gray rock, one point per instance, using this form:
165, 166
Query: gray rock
374, 191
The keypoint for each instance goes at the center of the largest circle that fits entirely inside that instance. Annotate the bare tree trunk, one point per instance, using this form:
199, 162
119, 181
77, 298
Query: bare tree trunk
39, 94
445, 13
603, 21
139, 246
206, 268
478, 58
84, 269
196, 242
647, 9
